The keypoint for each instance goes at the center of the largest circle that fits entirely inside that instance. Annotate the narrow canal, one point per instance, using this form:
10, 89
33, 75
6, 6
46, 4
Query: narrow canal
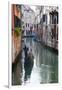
45, 68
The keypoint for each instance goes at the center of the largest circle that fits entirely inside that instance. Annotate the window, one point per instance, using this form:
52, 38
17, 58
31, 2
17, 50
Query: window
17, 21
44, 18
54, 17
26, 24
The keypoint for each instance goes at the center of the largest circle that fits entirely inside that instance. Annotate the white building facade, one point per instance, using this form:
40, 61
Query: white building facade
28, 18
46, 21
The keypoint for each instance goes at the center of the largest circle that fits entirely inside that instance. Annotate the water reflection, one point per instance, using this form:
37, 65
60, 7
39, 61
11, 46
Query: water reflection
45, 69
46, 63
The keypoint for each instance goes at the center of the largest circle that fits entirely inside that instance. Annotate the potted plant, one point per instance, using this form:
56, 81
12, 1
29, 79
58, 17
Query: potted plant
17, 31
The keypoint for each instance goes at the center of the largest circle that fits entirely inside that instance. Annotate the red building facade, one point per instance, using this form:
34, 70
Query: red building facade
16, 23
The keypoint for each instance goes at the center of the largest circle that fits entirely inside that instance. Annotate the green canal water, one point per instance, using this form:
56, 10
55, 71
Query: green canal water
45, 69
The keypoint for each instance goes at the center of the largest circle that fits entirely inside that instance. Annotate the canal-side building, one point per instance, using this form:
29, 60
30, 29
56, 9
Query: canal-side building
54, 28
16, 24
50, 27
38, 22
46, 22
27, 19
16, 43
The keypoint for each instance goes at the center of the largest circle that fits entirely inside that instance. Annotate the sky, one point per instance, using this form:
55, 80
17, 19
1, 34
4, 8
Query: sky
33, 8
